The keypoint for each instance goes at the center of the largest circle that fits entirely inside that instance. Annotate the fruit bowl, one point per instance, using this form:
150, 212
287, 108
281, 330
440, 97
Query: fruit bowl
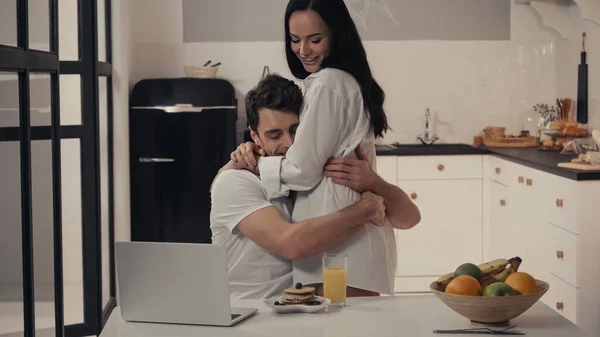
489, 310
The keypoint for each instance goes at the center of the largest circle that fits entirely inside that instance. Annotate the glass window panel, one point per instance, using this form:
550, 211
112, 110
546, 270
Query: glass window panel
104, 189
43, 235
40, 101
70, 100
8, 22
39, 24
9, 99
68, 30
72, 231
11, 277
101, 30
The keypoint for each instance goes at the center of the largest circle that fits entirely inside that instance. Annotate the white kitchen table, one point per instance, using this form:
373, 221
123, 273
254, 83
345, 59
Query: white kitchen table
398, 316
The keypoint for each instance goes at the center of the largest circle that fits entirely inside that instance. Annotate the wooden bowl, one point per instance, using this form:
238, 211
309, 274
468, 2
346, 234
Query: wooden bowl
489, 310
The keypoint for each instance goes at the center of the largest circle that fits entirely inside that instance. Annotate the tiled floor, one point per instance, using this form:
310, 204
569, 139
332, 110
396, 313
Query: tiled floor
11, 313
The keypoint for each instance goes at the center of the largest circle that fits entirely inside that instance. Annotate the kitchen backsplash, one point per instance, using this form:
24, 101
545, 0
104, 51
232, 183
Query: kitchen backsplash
467, 85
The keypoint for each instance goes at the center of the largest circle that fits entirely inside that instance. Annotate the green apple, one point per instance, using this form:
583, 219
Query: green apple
499, 289
471, 270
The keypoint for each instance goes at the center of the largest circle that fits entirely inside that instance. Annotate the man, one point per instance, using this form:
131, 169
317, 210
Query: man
256, 231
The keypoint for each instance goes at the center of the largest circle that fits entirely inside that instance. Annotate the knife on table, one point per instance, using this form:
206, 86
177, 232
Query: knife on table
482, 331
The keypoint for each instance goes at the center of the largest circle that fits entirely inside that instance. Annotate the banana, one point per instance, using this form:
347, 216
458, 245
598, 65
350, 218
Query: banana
492, 271
498, 277
445, 279
493, 267
515, 262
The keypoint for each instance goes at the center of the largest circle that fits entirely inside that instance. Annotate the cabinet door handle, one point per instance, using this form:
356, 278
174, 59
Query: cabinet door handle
559, 203
502, 202
497, 170
560, 254
413, 196
560, 306
529, 182
440, 167
521, 179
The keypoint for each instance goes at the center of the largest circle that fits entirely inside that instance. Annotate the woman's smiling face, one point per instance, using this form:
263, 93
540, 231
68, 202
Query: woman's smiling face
310, 39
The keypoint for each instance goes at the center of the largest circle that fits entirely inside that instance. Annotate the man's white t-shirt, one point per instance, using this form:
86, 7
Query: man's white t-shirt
254, 272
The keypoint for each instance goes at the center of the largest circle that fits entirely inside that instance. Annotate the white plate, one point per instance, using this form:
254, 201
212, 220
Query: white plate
290, 308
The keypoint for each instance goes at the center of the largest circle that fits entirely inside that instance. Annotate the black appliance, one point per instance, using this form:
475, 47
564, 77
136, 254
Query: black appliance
181, 132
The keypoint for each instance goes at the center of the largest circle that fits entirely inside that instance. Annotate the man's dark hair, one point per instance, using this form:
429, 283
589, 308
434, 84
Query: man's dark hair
273, 92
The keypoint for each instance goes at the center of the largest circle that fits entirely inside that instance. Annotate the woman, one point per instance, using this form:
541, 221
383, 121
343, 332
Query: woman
343, 108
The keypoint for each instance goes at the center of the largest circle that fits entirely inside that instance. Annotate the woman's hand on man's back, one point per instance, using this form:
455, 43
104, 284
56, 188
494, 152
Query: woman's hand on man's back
246, 156
353, 173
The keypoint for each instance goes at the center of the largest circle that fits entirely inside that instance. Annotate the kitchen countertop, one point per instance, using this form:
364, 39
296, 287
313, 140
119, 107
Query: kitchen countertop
546, 161
413, 316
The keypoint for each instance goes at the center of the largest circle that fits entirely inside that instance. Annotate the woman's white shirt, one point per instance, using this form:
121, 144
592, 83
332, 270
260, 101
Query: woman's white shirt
333, 122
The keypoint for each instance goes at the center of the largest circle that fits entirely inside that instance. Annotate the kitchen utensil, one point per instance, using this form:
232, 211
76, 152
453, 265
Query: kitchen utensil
481, 332
559, 109
484, 331
207, 63
567, 107
489, 310
580, 166
582, 86
216, 65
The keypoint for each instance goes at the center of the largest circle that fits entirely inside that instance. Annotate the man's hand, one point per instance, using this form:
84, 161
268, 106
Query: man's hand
246, 156
375, 208
353, 173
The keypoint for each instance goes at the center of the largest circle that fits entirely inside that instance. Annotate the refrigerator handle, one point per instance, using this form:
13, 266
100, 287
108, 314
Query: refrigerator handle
156, 160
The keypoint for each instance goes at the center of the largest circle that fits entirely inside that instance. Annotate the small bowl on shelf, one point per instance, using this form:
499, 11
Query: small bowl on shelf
489, 310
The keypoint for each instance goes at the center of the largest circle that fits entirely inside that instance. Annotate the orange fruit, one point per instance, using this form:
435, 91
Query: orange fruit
464, 285
522, 283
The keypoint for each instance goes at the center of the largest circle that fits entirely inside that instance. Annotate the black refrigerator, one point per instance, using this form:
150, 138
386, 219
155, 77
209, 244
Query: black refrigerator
181, 132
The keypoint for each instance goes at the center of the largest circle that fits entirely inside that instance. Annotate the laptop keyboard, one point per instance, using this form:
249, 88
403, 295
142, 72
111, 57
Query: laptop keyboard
234, 316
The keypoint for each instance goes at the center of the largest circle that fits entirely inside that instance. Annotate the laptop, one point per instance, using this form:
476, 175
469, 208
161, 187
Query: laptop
176, 283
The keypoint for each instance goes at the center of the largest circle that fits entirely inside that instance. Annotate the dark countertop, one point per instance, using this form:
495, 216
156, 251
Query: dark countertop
532, 157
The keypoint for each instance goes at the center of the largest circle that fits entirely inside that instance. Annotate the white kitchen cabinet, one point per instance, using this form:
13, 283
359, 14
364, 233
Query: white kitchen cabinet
447, 190
525, 190
563, 298
507, 209
554, 223
439, 167
386, 168
450, 230
501, 225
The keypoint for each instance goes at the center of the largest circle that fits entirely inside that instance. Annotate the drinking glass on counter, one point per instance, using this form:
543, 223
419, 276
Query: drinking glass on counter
335, 270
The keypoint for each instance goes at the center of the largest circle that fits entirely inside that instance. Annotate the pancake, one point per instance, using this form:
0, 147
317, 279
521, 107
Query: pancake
298, 296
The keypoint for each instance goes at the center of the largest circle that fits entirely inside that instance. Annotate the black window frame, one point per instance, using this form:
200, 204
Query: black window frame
22, 60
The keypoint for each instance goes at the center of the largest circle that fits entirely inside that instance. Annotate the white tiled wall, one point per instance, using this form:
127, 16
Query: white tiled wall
467, 84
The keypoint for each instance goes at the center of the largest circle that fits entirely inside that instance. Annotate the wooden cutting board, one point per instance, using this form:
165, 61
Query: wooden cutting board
581, 167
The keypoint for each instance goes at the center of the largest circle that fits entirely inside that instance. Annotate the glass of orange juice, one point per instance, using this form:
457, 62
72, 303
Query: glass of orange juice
335, 270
